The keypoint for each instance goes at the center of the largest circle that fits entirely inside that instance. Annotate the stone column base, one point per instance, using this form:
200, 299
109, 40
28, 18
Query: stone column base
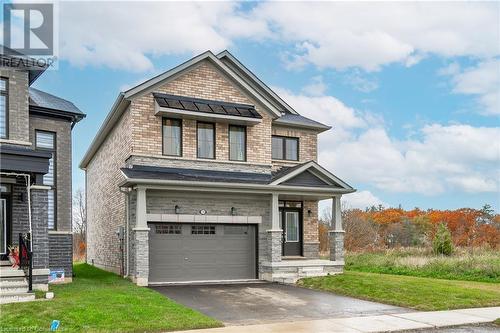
141, 240
336, 238
311, 250
274, 244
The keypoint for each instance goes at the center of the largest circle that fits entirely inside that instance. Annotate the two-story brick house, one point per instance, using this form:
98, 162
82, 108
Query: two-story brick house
35, 173
208, 175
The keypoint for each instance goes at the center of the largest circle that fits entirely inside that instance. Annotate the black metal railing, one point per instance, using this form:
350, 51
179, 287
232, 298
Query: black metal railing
26, 258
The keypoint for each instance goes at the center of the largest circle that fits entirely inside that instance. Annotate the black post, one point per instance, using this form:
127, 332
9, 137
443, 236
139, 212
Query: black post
30, 261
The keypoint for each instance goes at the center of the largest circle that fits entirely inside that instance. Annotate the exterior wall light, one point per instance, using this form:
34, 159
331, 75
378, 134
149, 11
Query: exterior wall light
233, 211
177, 209
309, 212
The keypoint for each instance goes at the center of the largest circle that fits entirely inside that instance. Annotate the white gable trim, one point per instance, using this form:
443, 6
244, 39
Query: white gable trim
255, 80
317, 170
153, 83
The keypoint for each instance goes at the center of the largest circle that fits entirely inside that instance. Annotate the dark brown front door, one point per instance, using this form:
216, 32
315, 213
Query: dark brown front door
291, 224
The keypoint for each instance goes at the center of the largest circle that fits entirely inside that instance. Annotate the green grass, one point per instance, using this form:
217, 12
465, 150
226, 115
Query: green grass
407, 291
98, 301
481, 266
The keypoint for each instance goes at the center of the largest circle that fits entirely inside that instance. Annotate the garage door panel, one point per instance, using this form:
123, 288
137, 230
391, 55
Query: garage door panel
220, 252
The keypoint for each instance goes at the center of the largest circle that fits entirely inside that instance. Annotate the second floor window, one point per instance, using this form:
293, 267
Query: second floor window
4, 107
206, 140
172, 137
285, 148
237, 143
47, 141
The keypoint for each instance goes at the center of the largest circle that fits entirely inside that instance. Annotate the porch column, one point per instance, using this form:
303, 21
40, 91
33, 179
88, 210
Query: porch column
336, 233
141, 240
274, 235
39, 226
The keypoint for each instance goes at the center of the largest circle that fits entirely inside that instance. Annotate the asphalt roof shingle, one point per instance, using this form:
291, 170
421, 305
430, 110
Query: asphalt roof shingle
301, 121
45, 100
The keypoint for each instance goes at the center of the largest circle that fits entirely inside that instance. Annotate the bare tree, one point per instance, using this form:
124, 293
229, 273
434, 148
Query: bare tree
79, 225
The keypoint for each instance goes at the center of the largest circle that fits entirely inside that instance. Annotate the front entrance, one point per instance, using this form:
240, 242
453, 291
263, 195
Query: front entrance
291, 224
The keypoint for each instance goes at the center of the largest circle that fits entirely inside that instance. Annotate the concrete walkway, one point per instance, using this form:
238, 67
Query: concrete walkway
379, 323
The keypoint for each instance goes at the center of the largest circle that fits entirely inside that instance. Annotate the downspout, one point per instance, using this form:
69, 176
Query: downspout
126, 191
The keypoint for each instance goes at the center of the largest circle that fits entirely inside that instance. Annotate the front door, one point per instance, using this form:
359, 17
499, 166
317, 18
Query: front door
291, 223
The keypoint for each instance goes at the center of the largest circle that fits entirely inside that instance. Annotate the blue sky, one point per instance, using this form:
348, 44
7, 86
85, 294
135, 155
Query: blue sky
412, 90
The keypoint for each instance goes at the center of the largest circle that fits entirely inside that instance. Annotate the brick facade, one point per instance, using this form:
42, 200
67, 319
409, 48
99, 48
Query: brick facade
308, 145
17, 130
105, 202
137, 140
203, 81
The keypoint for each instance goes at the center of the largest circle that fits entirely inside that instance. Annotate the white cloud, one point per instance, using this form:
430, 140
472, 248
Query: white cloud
370, 35
362, 200
482, 80
360, 82
437, 158
316, 88
125, 35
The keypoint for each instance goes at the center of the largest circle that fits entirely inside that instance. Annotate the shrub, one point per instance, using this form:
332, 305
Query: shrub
442, 243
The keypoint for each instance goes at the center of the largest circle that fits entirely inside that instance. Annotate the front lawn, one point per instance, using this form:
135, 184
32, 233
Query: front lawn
482, 265
418, 293
98, 301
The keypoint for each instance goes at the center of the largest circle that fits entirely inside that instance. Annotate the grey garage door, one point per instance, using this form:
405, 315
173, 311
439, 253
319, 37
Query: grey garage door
201, 252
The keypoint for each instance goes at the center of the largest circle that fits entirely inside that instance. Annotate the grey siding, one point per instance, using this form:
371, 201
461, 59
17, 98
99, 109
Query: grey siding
306, 178
61, 253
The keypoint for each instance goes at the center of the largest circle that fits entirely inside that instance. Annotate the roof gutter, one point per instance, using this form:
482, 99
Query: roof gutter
263, 188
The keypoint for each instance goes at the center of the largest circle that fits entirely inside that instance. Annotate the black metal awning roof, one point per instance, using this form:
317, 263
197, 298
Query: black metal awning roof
21, 159
206, 106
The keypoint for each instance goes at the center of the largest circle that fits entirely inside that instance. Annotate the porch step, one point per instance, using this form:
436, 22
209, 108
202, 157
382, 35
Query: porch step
13, 286
5, 263
6, 272
15, 297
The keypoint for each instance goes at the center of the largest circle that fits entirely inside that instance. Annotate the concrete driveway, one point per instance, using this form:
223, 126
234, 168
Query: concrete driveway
260, 303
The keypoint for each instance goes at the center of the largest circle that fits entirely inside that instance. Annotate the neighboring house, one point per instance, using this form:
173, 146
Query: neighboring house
35, 172
203, 173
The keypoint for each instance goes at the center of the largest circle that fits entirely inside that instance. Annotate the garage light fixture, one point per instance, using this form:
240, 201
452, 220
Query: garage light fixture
177, 209
233, 211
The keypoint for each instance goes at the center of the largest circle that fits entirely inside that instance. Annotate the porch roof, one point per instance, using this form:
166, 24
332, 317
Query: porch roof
306, 177
22, 159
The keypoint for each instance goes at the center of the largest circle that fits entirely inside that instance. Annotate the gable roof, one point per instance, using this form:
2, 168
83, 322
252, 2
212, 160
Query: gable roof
282, 176
244, 72
231, 67
151, 84
307, 180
